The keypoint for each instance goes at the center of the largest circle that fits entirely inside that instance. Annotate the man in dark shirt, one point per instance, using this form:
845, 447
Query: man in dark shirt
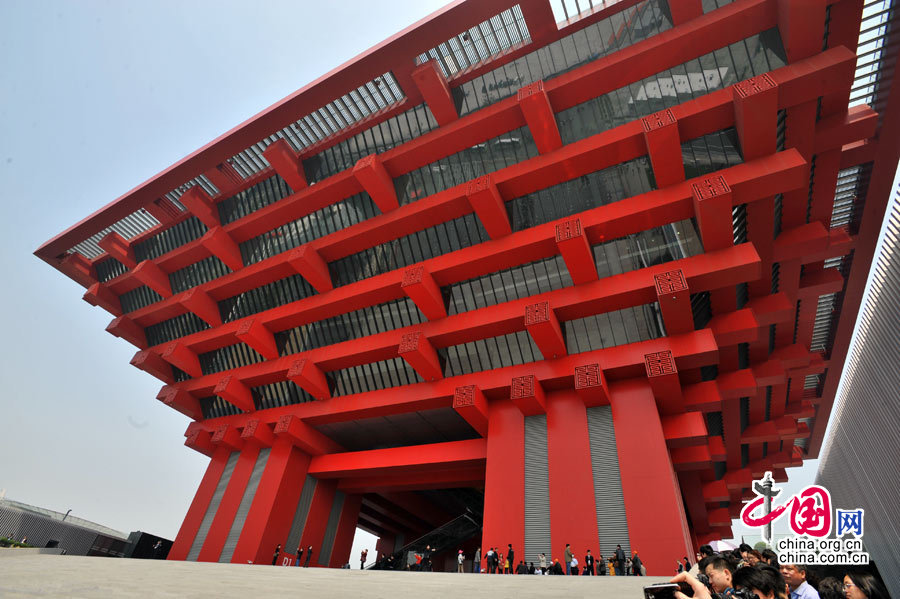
620, 561
510, 554
589, 563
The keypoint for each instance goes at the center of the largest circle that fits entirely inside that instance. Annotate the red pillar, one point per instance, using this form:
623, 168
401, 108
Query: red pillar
657, 526
343, 539
272, 510
664, 147
435, 91
573, 512
504, 479
317, 518
385, 545
231, 500
199, 505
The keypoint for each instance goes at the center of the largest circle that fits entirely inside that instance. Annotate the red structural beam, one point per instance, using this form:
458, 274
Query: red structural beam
451, 455
749, 182
478, 124
690, 351
417, 216
705, 271
389, 56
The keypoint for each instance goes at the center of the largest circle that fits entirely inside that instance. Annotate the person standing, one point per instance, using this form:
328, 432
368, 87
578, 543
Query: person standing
362, 559
795, 577
567, 558
476, 562
299, 555
573, 566
601, 565
620, 561
636, 565
308, 556
277, 553
542, 561
460, 558
510, 557
589, 563
157, 549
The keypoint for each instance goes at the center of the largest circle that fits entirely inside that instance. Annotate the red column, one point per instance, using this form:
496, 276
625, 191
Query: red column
317, 518
343, 539
272, 510
573, 512
435, 91
657, 526
385, 545
664, 147
231, 500
199, 505
504, 479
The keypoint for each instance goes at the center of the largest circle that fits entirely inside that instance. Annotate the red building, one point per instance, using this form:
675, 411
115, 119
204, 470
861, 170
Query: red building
572, 282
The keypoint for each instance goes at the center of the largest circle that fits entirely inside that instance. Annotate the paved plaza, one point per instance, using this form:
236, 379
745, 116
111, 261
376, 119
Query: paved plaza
76, 576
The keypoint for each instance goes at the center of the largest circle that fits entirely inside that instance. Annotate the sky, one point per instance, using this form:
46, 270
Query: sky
96, 97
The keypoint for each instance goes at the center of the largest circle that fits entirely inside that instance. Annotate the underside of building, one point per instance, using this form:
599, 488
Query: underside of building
502, 280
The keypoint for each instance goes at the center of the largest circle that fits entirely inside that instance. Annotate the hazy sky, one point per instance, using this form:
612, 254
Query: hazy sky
96, 97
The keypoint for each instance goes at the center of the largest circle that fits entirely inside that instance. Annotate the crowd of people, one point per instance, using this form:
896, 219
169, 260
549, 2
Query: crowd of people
495, 561
745, 573
742, 573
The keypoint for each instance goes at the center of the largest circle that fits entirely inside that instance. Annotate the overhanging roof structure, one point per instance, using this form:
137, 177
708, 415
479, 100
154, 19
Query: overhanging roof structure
693, 193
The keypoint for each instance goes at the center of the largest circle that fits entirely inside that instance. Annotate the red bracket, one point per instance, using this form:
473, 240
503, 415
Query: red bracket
258, 433
433, 85
117, 247
488, 204
420, 354
687, 429
226, 435
590, 385
664, 147
151, 363
470, 403
200, 440
125, 328
235, 392
78, 268
756, 115
663, 377
151, 275
528, 395
305, 437
374, 178
308, 376
256, 335
200, 303
576, 251
309, 264
286, 163
181, 356
220, 244
225, 178
674, 299
103, 297
198, 203
181, 400
712, 207
163, 210
543, 326
535, 105
421, 288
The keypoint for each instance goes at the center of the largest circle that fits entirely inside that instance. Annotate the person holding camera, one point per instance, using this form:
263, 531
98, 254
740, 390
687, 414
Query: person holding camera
763, 582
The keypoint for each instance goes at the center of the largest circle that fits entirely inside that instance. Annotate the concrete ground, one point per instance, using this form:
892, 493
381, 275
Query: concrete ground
77, 576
